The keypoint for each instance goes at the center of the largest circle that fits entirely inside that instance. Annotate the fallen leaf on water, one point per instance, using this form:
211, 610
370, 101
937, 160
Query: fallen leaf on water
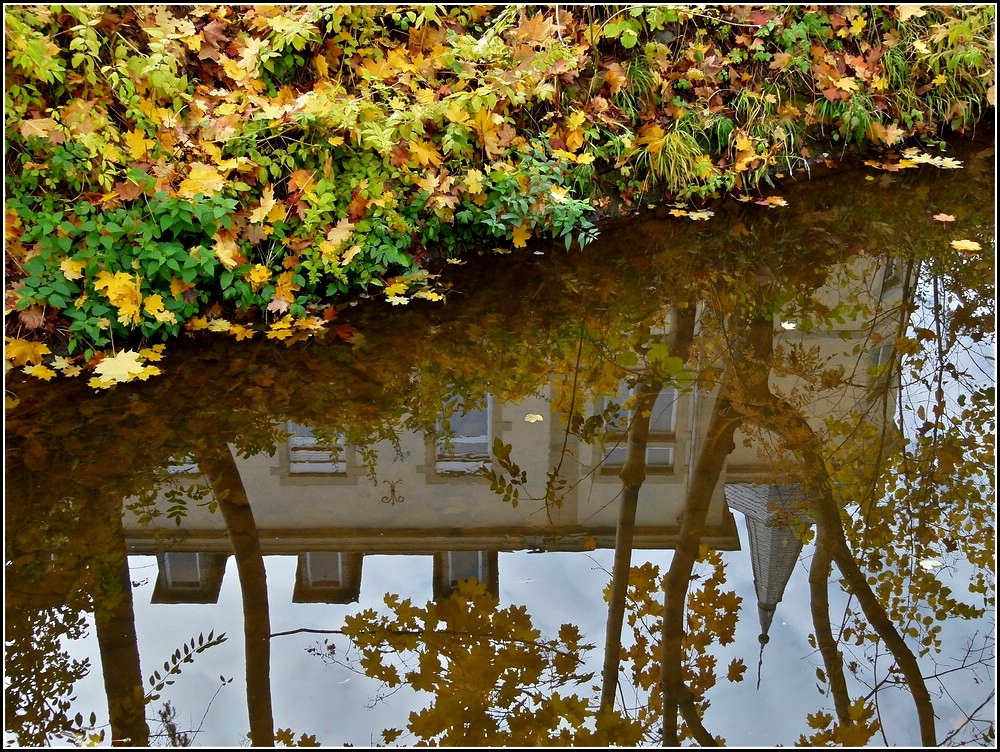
127, 365
965, 245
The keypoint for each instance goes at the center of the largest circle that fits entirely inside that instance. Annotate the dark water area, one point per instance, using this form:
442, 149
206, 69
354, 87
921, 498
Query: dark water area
724, 479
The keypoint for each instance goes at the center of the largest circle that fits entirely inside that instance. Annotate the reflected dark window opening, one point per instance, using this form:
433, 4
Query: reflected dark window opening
662, 437
311, 455
463, 444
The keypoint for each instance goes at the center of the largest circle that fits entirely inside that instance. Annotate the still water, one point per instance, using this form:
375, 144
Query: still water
724, 480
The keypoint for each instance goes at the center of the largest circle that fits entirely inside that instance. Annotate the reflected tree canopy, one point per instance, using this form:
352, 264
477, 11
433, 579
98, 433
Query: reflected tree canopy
835, 359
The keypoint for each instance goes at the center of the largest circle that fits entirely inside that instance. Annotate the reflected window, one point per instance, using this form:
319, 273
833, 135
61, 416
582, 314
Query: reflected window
452, 566
462, 565
464, 439
661, 439
182, 571
312, 455
324, 569
328, 577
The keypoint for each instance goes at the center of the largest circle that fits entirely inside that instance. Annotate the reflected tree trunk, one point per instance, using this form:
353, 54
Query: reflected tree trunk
755, 345
114, 619
633, 475
216, 461
676, 696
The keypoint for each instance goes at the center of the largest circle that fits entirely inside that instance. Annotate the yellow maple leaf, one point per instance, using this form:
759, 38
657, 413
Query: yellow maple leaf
40, 372
651, 136
335, 237
196, 323
397, 288
202, 179
241, 332
267, 203
42, 128
122, 290
153, 305
138, 145
456, 113
521, 234
127, 365
966, 245
285, 287
474, 181
427, 153
219, 325
428, 295
226, 248
178, 287
858, 25
153, 353
847, 83
350, 254
72, 269
486, 124
258, 276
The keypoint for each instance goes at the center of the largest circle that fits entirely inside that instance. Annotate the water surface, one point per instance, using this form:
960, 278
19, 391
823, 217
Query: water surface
781, 418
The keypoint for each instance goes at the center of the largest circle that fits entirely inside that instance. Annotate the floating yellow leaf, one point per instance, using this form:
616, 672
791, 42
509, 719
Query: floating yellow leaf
40, 372
127, 365
965, 245
241, 332
153, 353
397, 288
428, 295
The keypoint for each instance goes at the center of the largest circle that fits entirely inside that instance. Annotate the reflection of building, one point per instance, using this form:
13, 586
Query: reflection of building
323, 501
315, 498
